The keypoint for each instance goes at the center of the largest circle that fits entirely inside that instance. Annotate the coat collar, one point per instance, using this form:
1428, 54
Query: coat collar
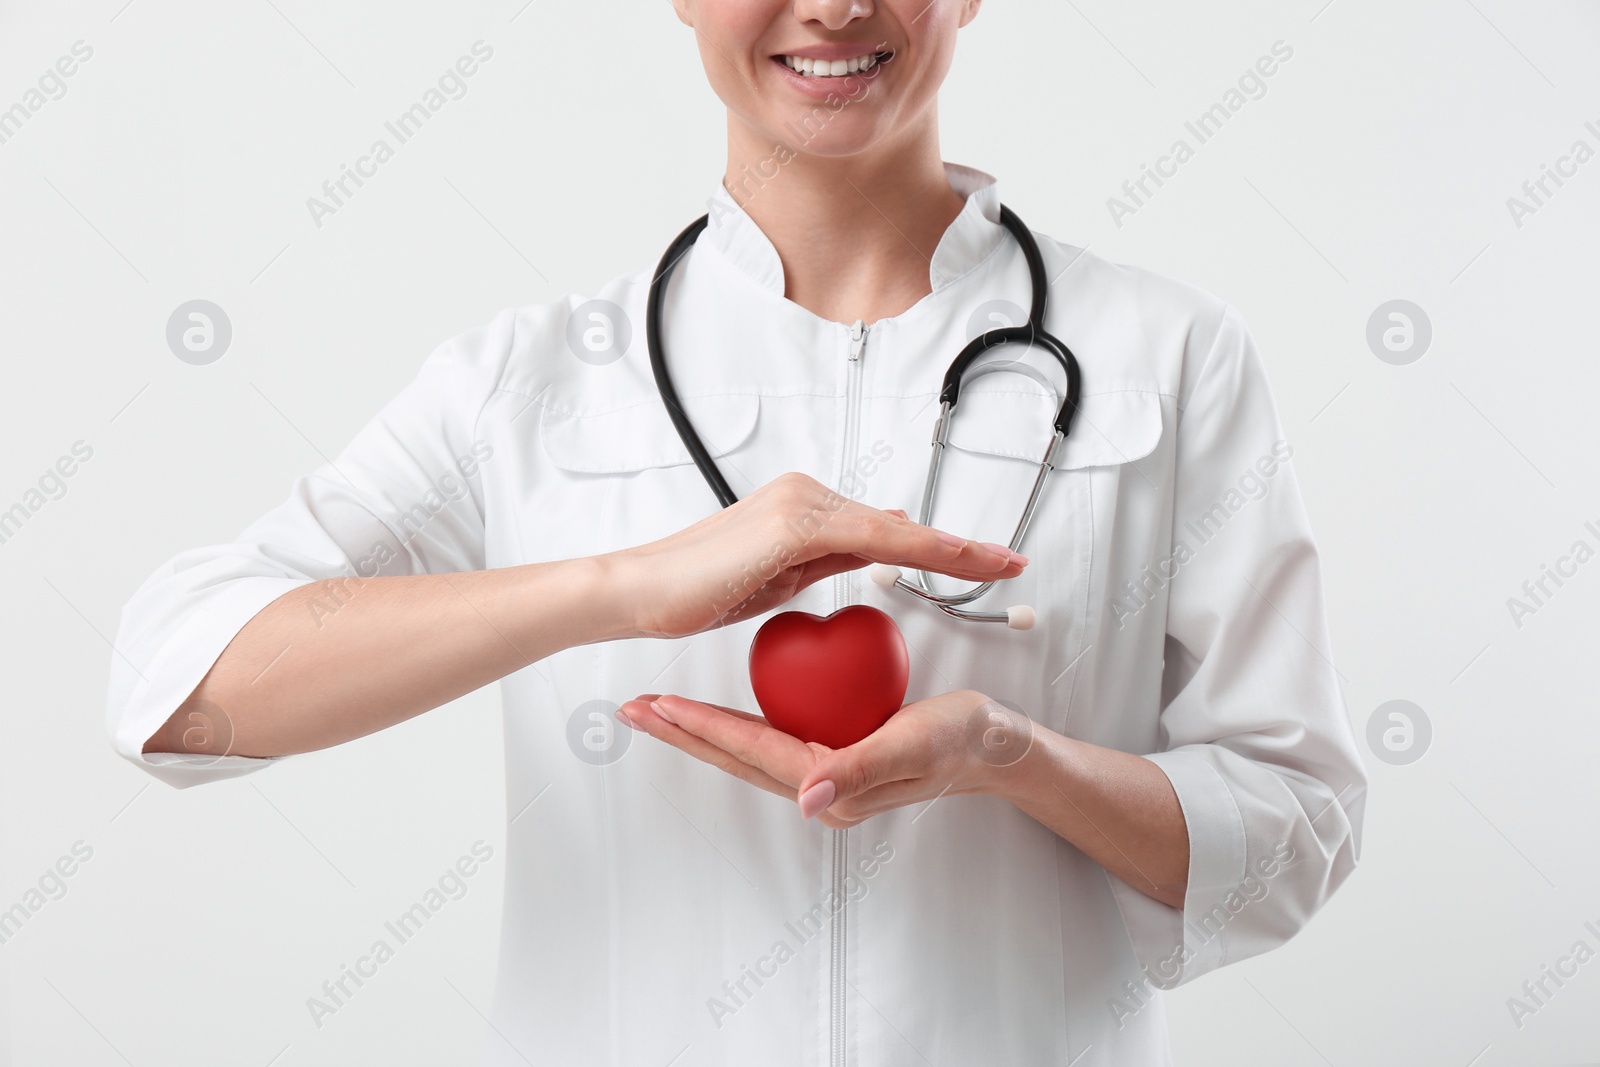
970, 238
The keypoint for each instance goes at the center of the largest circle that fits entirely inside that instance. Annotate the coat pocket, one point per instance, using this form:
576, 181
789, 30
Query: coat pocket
1109, 428
997, 438
641, 436
622, 477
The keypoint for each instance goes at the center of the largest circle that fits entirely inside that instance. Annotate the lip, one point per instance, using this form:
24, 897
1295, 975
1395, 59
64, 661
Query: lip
822, 88
846, 50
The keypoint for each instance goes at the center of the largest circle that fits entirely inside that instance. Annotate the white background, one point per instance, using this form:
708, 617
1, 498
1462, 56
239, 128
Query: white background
1377, 166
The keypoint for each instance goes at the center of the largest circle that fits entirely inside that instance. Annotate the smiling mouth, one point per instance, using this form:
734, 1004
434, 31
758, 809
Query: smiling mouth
836, 68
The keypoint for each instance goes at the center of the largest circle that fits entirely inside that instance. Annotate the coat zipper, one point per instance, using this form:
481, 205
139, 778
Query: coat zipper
841, 589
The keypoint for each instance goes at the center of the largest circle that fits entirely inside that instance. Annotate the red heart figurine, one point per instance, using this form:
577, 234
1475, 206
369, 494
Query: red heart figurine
832, 680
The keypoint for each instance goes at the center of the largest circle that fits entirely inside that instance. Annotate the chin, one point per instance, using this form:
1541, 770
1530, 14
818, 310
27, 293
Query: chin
841, 137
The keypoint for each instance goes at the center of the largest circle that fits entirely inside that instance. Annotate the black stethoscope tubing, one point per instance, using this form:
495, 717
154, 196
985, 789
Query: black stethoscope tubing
1033, 333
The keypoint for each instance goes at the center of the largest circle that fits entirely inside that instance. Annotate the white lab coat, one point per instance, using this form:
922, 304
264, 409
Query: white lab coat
655, 905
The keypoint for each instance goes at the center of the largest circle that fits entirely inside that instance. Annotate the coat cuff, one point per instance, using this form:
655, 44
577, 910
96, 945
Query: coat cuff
1174, 946
143, 695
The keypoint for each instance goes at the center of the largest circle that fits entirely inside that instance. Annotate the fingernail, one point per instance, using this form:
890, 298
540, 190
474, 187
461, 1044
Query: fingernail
813, 800
1019, 557
659, 710
1000, 550
622, 717
951, 539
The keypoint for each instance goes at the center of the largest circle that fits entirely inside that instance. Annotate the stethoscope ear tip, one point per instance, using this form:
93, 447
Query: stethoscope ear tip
1020, 617
883, 575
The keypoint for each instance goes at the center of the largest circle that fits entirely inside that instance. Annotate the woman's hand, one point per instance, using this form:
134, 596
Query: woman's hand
751, 557
948, 744
1119, 808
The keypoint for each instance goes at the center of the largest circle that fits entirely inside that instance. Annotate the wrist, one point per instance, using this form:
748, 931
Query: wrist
1014, 755
610, 589
998, 741
579, 601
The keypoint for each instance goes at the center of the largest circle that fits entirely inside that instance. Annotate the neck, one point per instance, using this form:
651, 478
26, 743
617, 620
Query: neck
855, 234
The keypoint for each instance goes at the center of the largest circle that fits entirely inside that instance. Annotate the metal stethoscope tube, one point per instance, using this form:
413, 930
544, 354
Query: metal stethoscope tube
1017, 616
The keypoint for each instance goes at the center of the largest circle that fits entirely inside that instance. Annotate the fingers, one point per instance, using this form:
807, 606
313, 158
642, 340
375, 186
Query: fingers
746, 738
924, 548
851, 795
843, 779
891, 795
643, 719
851, 772
814, 800
842, 787
890, 537
836, 526
647, 697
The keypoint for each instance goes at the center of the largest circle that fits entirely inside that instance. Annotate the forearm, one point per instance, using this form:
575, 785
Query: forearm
338, 659
1116, 807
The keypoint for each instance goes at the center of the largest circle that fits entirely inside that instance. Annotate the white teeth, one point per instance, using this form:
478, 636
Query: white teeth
837, 68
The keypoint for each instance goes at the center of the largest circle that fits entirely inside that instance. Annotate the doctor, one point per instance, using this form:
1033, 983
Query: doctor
1156, 780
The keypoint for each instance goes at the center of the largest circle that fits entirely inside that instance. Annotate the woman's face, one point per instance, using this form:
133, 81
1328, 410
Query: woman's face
901, 49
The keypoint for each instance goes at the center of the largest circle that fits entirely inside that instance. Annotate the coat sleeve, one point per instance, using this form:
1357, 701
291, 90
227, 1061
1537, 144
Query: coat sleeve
404, 497
1254, 731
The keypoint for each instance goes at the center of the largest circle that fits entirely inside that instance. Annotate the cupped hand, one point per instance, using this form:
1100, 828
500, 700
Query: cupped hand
746, 559
950, 744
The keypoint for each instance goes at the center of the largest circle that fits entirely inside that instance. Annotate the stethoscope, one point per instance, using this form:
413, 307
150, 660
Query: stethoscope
1017, 617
